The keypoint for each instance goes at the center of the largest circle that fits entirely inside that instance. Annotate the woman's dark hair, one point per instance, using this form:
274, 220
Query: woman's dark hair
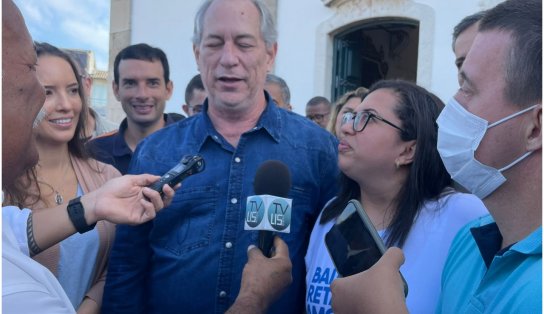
19, 193
427, 179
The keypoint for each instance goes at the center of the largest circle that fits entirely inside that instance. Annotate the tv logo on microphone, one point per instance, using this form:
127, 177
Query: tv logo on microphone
268, 212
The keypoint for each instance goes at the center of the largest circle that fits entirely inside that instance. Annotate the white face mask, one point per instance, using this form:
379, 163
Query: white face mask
459, 135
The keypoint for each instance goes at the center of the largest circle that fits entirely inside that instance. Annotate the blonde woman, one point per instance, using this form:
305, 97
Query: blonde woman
346, 103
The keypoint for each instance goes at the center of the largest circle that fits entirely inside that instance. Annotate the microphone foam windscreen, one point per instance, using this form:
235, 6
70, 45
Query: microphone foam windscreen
272, 178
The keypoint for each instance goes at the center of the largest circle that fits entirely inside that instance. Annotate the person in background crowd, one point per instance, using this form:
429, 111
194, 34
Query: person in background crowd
195, 94
346, 103
96, 124
462, 38
318, 109
390, 164
201, 236
142, 84
279, 91
495, 262
174, 116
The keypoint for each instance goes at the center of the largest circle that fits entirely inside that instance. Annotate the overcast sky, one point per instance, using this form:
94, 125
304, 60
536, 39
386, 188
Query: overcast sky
75, 24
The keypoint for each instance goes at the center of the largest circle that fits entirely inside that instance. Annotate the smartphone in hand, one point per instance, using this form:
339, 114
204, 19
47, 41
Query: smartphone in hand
353, 243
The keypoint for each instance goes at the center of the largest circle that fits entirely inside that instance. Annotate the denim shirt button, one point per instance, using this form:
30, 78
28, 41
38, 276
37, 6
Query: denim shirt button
222, 294
228, 245
237, 159
233, 200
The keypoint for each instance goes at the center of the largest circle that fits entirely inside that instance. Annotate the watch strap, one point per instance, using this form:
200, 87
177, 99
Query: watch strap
76, 213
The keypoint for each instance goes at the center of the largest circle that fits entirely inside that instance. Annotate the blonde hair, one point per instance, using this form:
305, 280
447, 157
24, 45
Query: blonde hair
337, 106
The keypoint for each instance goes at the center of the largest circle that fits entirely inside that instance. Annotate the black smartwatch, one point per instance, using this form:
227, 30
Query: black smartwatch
76, 212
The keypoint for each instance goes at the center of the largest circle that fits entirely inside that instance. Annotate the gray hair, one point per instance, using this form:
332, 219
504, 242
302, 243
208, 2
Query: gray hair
285, 93
268, 27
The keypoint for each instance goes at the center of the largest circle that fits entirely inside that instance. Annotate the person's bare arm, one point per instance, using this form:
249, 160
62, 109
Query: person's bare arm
378, 290
88, 306
123, 200
263, 279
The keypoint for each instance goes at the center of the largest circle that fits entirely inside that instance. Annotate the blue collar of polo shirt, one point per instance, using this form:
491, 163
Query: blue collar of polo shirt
120, 147
488, 238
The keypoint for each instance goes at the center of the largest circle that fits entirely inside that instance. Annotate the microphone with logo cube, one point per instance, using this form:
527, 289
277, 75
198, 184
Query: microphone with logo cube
269, 211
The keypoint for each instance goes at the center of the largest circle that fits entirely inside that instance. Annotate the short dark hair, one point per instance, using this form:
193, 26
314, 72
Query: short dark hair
523, 66
141, 52
428, 179
285, 93
314, 101
465, 23
194, 83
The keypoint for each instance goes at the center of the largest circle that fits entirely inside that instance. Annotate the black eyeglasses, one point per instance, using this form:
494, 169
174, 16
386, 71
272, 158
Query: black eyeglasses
360, 120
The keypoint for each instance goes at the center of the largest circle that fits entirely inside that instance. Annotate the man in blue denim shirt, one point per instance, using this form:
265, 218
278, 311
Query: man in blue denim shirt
190, 258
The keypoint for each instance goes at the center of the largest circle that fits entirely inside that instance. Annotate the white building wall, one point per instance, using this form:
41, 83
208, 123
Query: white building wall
297, 40
168, 25
305, 29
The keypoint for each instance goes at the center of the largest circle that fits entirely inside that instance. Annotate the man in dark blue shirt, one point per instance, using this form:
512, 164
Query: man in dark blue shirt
190, 258
142, 85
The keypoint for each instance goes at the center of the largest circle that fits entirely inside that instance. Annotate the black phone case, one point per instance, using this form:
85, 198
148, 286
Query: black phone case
353, 243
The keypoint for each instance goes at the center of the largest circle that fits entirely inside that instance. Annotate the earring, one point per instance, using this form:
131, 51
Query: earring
397, 163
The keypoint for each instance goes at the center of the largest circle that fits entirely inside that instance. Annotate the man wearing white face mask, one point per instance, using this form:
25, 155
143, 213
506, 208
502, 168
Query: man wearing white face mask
490, 139
459, 135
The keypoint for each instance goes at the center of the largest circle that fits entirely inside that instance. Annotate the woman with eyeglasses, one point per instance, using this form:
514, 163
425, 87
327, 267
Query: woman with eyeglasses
389, 163
64, 172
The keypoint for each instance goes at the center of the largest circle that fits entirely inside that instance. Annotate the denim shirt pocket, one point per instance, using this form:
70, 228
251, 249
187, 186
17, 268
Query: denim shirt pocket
301, 213
186, 224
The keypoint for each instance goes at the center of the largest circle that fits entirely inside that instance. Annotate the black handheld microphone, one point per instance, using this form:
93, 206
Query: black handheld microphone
273, 178
189, 165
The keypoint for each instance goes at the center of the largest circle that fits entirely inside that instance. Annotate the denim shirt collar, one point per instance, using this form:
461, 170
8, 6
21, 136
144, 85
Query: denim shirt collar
269, 122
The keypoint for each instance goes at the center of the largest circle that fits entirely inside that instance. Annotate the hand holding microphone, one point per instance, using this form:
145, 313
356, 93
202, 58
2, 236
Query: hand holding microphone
263, 279
269, 211
268, 271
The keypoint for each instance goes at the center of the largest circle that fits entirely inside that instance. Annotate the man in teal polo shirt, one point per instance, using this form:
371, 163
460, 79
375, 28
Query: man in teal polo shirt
490, 139
495, 264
